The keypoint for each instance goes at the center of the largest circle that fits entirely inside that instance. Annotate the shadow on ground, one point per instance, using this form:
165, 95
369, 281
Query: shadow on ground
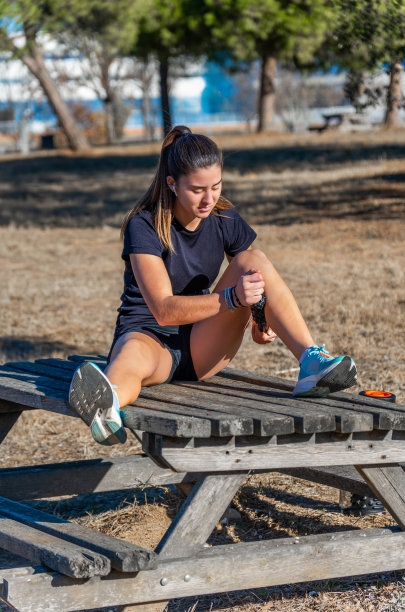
15, 348
73, 191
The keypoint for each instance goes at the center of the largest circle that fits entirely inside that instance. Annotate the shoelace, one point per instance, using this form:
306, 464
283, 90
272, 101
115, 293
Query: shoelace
316, 350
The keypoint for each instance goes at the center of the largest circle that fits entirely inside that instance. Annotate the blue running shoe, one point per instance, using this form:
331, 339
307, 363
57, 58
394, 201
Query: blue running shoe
93, 398
321, 374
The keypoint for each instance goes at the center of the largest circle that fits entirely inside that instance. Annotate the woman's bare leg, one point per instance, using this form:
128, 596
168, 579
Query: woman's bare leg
215, 341
138, 359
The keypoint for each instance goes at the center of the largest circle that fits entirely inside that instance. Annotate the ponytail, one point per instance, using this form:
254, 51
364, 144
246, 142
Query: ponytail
182, 153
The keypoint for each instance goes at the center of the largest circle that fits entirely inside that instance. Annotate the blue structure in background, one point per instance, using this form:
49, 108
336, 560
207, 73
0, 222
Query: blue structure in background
216, 103
217, 95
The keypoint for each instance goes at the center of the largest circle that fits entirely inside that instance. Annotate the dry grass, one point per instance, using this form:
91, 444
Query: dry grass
329, 214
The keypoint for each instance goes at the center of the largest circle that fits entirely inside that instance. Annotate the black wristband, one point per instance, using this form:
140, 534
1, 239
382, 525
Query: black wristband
258, 314
237, 300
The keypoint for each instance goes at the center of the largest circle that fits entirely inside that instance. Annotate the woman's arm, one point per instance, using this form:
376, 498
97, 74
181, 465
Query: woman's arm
168, 309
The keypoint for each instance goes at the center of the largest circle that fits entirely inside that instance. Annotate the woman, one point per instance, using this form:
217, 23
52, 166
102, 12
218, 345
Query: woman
169, 325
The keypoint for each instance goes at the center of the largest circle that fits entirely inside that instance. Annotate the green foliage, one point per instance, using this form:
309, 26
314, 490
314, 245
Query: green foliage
172, 28
28, 17
367, 33
114, 24
115, 21
287, 30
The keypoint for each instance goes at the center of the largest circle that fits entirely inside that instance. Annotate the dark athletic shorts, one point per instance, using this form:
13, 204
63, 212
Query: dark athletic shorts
176, 338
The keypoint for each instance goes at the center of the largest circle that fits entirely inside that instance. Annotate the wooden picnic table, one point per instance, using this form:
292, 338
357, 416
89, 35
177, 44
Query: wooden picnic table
205, 437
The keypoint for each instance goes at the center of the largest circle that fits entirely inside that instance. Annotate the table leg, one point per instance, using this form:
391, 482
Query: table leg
388, 483
7, 422
195, 521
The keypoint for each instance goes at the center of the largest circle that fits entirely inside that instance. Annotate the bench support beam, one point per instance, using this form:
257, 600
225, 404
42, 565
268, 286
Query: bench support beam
213, 570
388, 483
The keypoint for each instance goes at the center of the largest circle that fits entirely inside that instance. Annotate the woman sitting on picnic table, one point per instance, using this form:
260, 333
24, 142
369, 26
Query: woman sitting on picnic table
170, 326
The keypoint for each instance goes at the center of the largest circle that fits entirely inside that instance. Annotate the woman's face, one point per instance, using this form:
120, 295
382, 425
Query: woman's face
197, 194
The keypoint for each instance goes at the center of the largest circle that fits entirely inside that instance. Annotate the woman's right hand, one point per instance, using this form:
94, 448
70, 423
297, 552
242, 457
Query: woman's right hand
250, 287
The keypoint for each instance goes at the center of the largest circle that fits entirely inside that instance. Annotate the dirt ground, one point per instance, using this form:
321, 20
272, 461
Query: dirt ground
329, 212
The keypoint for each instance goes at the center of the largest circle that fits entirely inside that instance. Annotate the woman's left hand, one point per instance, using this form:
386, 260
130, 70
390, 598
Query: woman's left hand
262, 337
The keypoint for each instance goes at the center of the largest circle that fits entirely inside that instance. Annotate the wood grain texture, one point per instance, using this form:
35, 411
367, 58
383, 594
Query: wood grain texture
384, 417
7, 422
147, 415
32, 391
86, 476
388, 483
307, 419
200, 512
45, 549
222, 424
123, 556
214, 570
346, 417
264, 423
42, 369
344, 477
215, 458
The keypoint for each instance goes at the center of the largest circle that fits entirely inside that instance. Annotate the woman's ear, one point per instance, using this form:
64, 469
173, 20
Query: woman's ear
171, 184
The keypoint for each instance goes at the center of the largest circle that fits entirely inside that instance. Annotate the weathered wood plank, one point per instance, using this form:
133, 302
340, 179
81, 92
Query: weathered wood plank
308, 420
7, 406
28, 390
39, 391
344, 477
147, 415
222, 424
196, 403
123, 556
7, 422
384, 417
94, 358
347, 418
42, 369
199, 514
56, 362
218, 569
153, 419
131, 471
45, 549
264, 423
388, 483
87, 476
319, 450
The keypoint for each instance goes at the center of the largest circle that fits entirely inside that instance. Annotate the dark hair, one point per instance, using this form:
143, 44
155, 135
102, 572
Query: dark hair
182, 153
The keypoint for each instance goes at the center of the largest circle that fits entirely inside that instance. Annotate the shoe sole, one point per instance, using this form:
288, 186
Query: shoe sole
117, 434
89, 392
342, 376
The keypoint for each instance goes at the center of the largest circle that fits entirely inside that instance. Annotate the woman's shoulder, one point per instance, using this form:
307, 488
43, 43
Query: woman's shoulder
140, 221
227, 216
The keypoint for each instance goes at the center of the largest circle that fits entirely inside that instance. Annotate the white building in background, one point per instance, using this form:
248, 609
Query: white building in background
208, 95
78, 83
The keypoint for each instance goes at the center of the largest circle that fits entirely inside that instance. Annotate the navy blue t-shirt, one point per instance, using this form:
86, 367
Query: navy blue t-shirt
192, 267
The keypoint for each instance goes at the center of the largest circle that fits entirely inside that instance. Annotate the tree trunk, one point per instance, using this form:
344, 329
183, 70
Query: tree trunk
35, 63
393, 95
164, 95
110, 131
105, 64
147, 114
267, 93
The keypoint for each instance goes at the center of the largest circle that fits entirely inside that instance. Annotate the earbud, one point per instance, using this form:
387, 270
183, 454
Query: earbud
174, 189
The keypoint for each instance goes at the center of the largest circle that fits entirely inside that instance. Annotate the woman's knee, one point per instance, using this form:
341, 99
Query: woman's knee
252, 259
135, 355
